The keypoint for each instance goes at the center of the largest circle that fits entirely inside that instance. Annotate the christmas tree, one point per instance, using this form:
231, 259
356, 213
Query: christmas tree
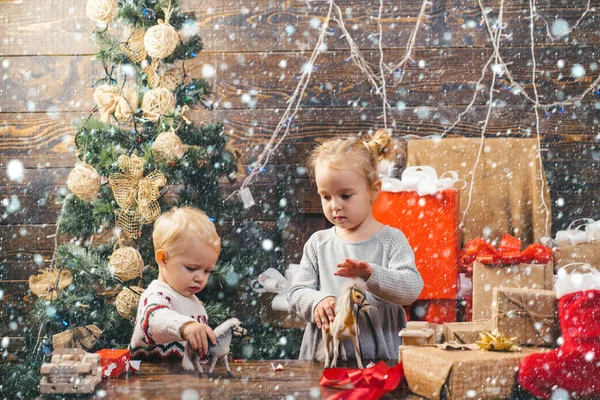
135, 161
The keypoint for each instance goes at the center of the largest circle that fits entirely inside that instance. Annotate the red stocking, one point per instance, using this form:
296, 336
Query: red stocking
575, 365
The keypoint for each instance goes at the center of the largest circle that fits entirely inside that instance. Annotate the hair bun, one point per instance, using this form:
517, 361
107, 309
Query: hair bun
381, 144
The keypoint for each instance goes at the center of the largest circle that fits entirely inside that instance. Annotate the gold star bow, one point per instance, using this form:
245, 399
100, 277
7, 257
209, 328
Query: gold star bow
496, 341
135, 194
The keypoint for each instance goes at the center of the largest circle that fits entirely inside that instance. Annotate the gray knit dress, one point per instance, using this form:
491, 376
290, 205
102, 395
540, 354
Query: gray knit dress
394, 282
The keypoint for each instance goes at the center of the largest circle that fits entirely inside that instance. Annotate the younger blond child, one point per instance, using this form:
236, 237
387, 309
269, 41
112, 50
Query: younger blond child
357, 247
186, 246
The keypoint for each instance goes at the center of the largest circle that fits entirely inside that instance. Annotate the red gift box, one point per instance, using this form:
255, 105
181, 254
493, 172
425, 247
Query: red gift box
114, 363
430, 223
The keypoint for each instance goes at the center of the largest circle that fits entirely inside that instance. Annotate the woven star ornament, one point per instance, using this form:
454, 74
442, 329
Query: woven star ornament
136, 194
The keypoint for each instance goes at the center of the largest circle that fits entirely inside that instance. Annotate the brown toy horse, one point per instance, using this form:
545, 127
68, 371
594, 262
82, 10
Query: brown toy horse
345, 324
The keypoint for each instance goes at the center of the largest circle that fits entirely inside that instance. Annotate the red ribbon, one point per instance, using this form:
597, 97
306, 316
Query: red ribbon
369, 383
508, 252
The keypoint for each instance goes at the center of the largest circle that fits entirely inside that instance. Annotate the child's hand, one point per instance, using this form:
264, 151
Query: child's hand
198, 335
354, 269
325, 312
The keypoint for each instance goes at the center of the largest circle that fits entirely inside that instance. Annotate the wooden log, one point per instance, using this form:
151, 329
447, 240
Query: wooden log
253, 25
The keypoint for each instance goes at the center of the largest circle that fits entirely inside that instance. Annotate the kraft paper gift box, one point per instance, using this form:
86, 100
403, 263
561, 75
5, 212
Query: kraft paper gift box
419, 333
529, 315
588, 253
464, 332
462, 374
487, 277
278, 318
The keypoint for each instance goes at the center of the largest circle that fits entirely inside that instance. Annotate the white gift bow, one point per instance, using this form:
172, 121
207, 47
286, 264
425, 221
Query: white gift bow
576, 281
574, 235
592, 231
423, 179
271, 281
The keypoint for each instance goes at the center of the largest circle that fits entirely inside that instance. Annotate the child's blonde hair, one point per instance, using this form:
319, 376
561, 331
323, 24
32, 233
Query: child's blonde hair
356, 154
180, 223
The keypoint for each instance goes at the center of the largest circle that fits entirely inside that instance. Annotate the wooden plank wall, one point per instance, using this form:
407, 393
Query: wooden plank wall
258, 48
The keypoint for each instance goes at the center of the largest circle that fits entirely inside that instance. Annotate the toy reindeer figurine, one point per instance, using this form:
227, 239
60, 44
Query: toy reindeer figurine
345, 324
224, 333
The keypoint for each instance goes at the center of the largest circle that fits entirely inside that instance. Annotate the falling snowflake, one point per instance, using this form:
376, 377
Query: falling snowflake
267, 245
15, 170
559, 28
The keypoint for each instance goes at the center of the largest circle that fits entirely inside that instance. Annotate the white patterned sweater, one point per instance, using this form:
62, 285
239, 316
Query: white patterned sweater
161, 313
394, 282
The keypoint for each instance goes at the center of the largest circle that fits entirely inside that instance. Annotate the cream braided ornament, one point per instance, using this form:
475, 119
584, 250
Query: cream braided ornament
84, 181
128, 300
168, 147
101, 10
161, 39
157, 102
126, 263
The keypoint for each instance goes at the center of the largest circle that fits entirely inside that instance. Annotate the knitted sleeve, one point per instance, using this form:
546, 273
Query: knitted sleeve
159, 323
304, 294
399, 282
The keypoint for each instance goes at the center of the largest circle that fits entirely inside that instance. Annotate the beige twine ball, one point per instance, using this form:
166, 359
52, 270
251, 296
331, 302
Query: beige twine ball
157, 102
171, 79
83, 181
127, 301
126, 263
101, 10
168, 147
161, 40
133, 46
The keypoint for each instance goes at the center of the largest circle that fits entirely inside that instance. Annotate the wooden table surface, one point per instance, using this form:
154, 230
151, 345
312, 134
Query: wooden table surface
251, 380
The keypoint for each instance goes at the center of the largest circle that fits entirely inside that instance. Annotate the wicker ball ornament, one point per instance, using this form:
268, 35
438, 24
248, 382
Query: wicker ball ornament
126, 263
127, 301
84, 181
101, 10
157, 102
161, 40
168, 147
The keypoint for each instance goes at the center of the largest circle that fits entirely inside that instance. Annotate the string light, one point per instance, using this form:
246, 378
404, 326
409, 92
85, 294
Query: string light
378, 75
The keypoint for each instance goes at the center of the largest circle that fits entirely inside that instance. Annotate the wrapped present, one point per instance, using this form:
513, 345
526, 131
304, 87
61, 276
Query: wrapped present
461, 374
81, 337
275, 309
464, 332
70, 371
278, 318
115, 362
436, 311
588, 253
418, 333
426, 210
529, 315
487, 277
